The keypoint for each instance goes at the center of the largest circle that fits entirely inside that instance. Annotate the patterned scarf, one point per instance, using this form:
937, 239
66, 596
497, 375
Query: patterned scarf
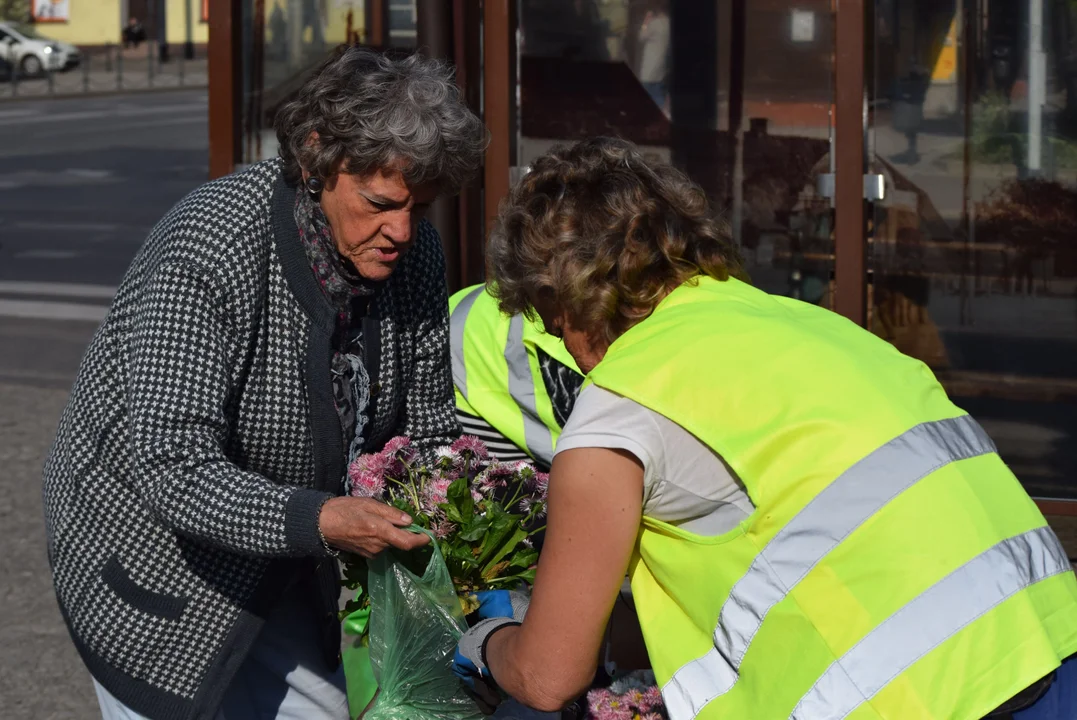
343, 286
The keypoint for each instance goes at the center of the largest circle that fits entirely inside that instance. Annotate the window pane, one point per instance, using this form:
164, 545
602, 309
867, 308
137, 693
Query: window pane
736, 93
974, 252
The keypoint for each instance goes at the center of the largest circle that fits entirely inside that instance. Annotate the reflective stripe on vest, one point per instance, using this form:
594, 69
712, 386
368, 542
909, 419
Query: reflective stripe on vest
538, 437
457, 321
929, 620
844, 505
521, 385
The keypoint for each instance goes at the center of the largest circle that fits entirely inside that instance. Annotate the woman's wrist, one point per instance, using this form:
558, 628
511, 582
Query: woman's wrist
321, 532
303, 514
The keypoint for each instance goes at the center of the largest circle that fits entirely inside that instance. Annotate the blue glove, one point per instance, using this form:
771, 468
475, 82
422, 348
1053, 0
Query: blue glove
469, 662
503, 604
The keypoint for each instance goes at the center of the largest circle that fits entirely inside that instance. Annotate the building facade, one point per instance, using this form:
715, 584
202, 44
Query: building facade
911, 165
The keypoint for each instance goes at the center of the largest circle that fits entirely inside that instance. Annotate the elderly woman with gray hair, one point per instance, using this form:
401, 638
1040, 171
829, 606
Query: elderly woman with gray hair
276, 323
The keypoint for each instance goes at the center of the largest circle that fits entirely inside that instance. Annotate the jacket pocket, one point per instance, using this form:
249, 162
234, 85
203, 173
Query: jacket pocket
169, 607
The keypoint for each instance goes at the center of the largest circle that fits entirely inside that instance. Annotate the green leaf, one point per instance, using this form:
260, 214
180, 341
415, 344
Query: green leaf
459, 497
524, 558
475, 531
510, 581
501, 526
507, 546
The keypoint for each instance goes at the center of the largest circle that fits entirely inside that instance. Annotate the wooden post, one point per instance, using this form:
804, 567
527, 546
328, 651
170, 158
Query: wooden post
467, 54
850, 296
225, 101
377, 33
498, 35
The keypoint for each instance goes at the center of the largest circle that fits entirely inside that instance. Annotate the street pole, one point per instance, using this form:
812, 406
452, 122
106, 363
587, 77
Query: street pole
188, 45
435, 39
1037, 86
162, 30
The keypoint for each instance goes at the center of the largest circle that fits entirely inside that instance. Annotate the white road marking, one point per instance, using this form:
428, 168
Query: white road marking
118, 112
48, 254
77, 290
19, 113
76, 226
42, 310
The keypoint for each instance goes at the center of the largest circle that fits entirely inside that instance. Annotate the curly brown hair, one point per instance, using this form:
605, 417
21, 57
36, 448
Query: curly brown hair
597, 231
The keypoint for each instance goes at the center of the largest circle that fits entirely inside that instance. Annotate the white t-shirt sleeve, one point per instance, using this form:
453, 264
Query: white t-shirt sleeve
684, 482
605, 420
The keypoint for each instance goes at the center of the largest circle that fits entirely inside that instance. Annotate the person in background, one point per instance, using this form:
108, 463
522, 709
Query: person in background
812, 528
515, 384
654, 43
276, 323
134, 34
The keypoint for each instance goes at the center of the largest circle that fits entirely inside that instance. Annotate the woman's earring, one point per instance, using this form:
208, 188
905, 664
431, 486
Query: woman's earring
314, 185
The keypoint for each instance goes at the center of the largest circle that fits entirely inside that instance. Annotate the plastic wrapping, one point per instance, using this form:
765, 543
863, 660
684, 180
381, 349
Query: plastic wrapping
415, 623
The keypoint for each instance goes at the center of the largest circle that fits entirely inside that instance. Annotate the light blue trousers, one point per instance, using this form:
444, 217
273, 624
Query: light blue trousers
283, 677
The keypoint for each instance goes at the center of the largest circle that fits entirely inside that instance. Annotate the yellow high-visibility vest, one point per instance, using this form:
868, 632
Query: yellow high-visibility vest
894, 568
496, 372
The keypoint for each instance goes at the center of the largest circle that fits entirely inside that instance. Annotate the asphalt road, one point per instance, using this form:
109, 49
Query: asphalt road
82, 181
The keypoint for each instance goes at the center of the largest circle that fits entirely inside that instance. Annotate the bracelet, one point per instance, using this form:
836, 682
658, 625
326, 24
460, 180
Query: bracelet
333, 552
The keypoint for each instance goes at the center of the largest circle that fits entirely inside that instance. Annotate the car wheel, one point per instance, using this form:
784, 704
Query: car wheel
31, 66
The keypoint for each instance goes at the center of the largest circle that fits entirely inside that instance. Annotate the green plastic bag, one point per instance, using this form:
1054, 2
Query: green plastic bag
415, 623
358, 672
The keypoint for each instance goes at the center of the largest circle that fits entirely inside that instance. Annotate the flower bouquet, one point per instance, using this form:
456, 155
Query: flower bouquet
410, 608
630, 698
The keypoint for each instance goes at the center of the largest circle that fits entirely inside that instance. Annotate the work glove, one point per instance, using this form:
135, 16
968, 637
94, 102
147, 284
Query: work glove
502, 603
497, 609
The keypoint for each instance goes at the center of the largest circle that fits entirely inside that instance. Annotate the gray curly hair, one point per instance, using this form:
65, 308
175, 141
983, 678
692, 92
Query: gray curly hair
373, 111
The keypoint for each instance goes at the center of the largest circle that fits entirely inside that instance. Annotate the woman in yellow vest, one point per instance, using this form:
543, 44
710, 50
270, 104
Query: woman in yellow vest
812, 529
515, 384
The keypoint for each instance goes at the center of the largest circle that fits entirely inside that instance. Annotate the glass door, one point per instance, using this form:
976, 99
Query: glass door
973, 251
737, 93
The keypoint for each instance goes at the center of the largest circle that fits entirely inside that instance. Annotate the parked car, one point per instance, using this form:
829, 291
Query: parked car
32, 54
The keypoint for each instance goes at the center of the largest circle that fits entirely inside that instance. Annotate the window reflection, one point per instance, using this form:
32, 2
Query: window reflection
974, 261
736, 93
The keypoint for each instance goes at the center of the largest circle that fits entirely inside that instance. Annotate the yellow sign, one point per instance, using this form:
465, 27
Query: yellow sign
945, 69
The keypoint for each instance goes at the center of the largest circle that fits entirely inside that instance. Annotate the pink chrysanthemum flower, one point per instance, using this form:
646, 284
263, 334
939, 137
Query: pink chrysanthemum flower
400, 442
495, 475
523, 468
371, 462
435, 493
652, 698
446, 459
367, 475
366, 484
471, 445
540, 485
606, 706
499, 470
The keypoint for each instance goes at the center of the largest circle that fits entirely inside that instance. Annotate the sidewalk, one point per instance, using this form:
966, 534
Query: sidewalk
118, 70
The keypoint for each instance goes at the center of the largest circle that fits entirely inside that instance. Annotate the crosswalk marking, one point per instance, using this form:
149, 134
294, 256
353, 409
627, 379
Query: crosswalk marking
34, 300
77, 290
44, 310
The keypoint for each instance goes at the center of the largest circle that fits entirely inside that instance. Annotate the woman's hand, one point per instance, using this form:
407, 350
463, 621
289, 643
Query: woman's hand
366, 527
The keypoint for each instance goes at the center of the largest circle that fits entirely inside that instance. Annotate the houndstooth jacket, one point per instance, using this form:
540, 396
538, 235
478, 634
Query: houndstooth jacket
201, 440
